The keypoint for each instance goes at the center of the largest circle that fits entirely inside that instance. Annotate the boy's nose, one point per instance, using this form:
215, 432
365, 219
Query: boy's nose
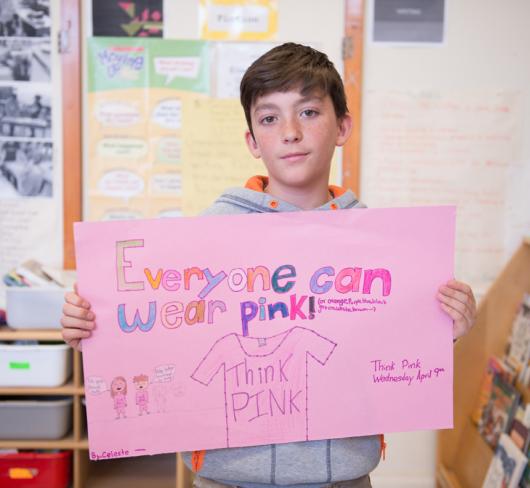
291, 132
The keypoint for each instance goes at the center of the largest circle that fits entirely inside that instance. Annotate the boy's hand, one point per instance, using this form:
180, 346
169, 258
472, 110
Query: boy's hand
457, 300
77, 319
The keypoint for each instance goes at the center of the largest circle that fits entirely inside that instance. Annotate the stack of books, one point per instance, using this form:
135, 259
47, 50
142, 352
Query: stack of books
501, 414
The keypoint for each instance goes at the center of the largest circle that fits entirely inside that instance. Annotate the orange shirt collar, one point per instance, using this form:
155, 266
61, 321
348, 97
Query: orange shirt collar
258, 183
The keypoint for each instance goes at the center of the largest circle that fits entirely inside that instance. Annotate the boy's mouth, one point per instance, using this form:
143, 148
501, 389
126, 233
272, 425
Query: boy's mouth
295, 156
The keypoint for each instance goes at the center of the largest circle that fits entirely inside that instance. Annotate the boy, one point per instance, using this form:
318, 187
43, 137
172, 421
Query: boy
295, 107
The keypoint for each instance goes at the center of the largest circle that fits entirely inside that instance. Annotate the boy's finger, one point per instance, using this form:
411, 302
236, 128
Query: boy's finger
73, 323
457, 295
77, 312
458, 285
454, 314
75, 299
76, 344
70, 335
453, 303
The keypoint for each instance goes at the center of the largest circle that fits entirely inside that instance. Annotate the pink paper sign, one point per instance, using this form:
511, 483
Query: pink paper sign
242, 330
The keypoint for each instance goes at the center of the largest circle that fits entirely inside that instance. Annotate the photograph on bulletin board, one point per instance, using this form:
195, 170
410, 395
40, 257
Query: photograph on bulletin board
243, 20
132, 18
19, 18
24, 59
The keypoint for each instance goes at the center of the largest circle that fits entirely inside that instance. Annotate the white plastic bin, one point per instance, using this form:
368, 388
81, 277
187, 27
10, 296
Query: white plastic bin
34, 308
35, 418
35, 365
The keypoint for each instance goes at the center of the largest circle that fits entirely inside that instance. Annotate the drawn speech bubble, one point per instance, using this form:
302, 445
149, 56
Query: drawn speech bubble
177, 67
96, 385
116, 114
120, 183
169, 150
168, 114
122, 148
164, 373
122, 214
167, 183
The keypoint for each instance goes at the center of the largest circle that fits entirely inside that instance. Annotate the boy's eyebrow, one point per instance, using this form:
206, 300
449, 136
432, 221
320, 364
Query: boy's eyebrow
273, 106
264, 106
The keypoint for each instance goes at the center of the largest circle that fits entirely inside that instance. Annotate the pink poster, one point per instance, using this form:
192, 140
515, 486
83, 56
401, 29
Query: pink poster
230, 331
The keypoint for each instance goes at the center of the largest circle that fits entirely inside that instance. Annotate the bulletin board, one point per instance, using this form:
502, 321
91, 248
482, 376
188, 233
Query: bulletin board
31, 162
147, 170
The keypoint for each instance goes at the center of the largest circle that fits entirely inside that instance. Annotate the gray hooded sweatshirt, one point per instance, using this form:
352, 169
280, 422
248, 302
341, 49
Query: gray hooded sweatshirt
307, 464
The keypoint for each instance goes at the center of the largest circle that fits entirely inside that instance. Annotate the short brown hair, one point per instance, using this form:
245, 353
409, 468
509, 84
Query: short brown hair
290, 66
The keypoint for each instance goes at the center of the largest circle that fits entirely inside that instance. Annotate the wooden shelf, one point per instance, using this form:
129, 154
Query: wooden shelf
163, 471
67, 389
153, 471
9, 334
66, 443
463, 455
446, 478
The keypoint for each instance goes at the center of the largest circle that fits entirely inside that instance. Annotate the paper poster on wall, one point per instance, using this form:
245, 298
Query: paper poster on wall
136, 92
408, 21
258, 340
128, 18
216, 157
30, 205
450, 148
243, 20
231, 61
157, 144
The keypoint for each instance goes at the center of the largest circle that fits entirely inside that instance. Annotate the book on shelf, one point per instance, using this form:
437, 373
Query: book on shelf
520, 434
495, 366
507, 465
499, 411
519, 342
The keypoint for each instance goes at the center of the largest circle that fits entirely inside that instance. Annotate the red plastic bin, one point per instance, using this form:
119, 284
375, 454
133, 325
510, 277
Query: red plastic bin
36, 470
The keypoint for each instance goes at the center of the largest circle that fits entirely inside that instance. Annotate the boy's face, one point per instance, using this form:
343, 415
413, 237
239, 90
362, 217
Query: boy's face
296, 135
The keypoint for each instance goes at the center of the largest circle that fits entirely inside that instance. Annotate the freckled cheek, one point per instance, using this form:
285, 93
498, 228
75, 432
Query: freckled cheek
267, 143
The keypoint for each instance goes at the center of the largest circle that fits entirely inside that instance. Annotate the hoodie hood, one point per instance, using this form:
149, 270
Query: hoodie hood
252, 199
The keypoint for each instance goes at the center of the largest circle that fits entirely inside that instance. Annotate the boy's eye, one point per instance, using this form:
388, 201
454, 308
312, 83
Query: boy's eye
309, 112
269, 119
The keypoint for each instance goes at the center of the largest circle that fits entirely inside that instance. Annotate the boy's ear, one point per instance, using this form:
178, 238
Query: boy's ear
345, 127
251, 144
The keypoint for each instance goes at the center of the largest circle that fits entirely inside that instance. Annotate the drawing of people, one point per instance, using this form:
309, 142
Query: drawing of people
118, 392
142, 396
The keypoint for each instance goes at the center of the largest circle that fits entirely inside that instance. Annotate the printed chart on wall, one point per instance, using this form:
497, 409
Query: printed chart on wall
208, 339
153, 130
454, 149
28, 199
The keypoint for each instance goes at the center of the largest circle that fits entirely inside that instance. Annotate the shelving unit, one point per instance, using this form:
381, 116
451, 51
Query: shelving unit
463, 455
163, 471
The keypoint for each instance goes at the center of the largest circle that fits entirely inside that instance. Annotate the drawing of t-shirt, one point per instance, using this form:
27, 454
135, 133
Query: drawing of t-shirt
265, 383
